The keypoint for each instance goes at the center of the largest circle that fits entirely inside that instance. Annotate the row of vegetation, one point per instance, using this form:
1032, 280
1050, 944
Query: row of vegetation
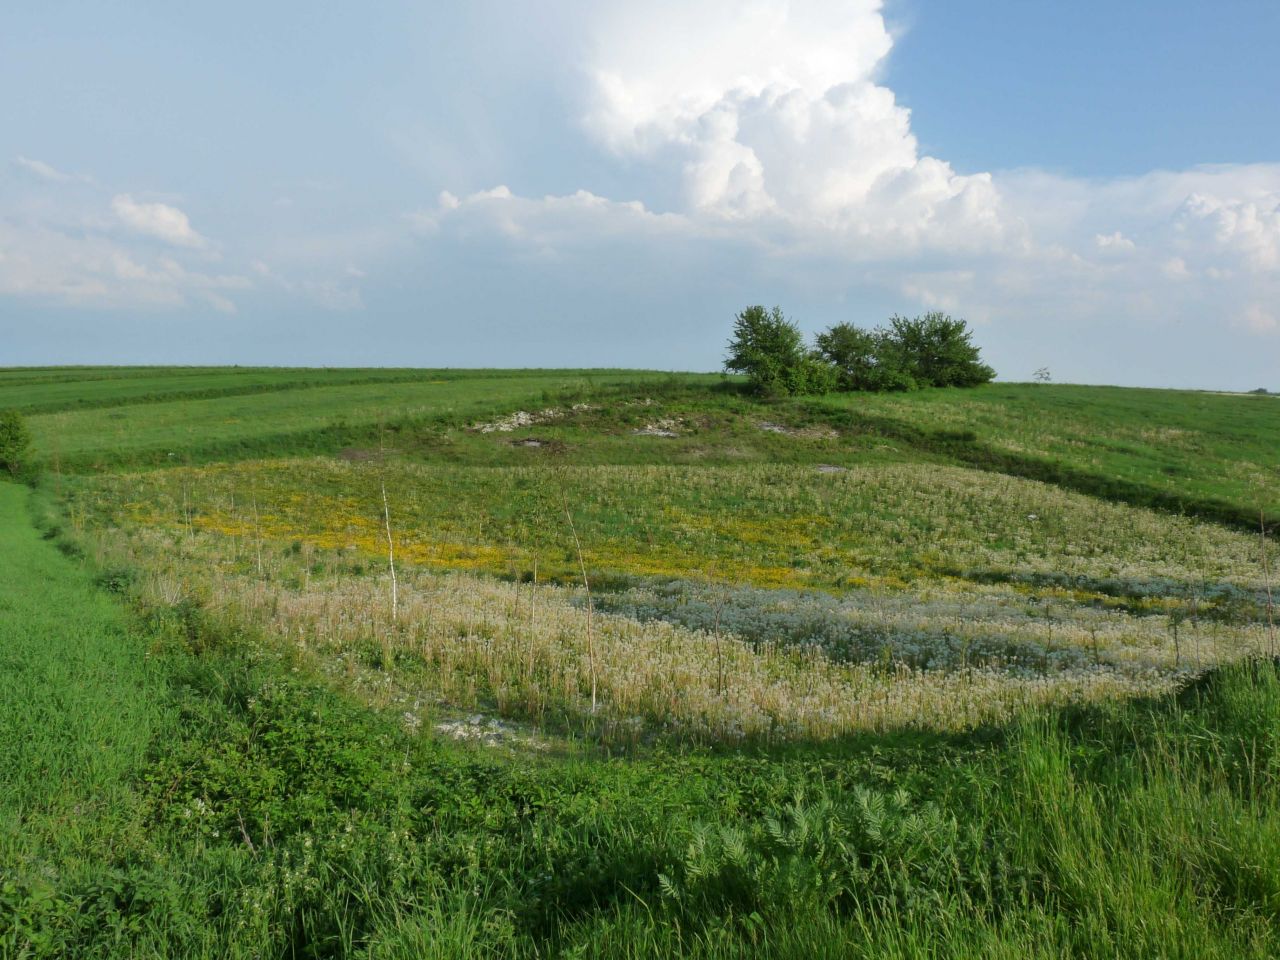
933, 350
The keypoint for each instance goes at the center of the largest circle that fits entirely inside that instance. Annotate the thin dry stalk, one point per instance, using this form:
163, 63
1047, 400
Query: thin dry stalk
721, 598
586, 585
533, 617
1266, 579
391, 553
257, 533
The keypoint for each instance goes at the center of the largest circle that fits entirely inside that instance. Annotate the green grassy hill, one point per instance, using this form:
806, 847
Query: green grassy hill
1206, 450
141, 419
1203, 453
398, 663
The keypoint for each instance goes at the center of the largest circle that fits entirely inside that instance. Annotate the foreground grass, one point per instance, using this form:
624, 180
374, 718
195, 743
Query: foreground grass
261, 812
193, 779
80, 705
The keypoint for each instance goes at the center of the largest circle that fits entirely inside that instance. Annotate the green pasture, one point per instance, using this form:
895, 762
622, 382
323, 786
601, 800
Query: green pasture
47, 390
1191, 444
278, 421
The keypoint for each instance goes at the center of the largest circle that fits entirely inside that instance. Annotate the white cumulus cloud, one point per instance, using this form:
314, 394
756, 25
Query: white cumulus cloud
1247, 226
760, 133
770, 110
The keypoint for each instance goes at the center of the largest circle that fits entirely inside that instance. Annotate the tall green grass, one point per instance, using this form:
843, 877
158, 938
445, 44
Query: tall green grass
80, 705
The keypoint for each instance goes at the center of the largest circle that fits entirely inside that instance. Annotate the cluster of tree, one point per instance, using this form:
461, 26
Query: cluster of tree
929, 351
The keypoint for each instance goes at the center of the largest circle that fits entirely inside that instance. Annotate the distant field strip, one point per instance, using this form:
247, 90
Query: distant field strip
51, 397
55, 390
147, 434
1212, 455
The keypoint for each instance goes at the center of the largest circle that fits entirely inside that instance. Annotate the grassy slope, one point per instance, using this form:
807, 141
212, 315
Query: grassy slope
79, 708
1208, 454
301, 419
1176, 443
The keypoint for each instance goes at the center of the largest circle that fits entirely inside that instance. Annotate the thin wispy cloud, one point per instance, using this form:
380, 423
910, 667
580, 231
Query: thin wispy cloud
158, 220
42, 170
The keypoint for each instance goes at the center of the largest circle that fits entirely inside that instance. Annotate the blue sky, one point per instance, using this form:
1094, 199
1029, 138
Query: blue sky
1091, 88
1096, 187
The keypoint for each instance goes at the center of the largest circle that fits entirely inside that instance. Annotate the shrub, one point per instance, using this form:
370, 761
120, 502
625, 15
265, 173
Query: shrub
937, 351
770, 350
15, 441
864, 360
852, 351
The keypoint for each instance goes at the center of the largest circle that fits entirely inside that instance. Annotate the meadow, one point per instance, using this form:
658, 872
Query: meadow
626, 664
139, 420
1197, 448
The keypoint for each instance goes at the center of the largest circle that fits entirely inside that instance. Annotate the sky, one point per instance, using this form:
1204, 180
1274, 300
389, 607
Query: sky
1094, 186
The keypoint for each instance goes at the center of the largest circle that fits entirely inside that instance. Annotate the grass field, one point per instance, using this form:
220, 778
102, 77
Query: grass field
612, 663
274, 412
1188, 444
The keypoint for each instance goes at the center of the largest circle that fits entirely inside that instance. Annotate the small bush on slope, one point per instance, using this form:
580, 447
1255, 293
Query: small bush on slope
770, 350
15, 441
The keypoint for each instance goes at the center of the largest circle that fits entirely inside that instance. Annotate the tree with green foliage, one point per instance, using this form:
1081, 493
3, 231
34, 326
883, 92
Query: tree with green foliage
852, 351
937, 351
929, 351
15, 441
770, 350
862, 359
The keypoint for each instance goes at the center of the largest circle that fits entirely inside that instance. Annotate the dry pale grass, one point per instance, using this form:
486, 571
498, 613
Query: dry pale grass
524, 650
